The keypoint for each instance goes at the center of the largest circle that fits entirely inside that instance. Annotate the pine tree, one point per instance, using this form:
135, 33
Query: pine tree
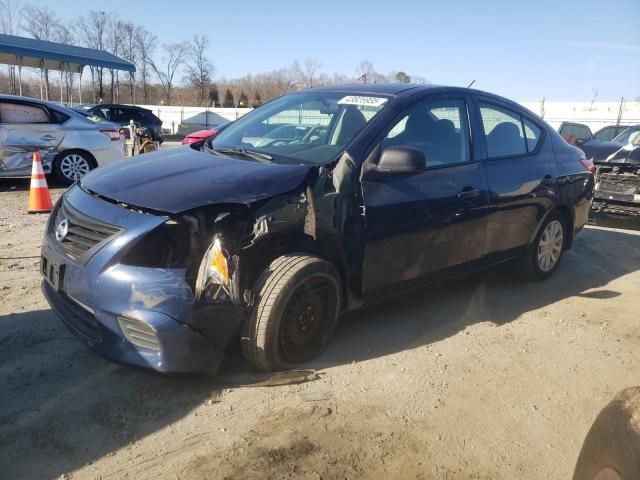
214, 98
243, 101
228, 100
257, 99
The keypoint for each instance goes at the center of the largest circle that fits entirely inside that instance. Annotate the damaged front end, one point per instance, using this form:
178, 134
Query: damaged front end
617, 189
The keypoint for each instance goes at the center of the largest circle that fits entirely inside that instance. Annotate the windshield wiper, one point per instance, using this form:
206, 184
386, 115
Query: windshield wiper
243, 152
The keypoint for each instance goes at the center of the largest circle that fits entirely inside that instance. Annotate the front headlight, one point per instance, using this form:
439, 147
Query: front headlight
213, 275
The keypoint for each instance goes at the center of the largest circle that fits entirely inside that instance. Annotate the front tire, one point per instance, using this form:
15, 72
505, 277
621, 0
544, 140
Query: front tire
71, 165
297, 301
544, 254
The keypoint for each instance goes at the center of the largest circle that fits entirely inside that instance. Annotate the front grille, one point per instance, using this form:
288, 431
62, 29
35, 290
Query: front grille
84, 233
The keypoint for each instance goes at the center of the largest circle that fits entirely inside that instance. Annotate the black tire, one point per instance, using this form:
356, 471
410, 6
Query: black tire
531, 267
65, 173
611, 449
296, 306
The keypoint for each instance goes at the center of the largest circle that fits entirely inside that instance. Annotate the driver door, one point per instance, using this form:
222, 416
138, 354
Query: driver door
428, 224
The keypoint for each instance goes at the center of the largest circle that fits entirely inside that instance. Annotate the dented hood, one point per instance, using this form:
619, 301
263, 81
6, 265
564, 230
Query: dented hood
180, 179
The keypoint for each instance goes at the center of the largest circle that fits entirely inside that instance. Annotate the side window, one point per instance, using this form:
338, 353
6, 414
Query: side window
574, 131
532, 133
437, 127
607, 134
15, 113
503, 132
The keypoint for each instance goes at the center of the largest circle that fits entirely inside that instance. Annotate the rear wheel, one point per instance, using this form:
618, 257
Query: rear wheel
544, 254
296, 309
69, 166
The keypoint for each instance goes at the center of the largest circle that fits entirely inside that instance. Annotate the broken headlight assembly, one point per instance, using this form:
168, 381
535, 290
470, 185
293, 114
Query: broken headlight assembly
166, 246
212, 284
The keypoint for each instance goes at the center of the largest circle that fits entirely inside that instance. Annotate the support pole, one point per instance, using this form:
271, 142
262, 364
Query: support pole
19, 74
46, 80
61, 73
69, 84
133, 88
93, 84
80, 85
41, 63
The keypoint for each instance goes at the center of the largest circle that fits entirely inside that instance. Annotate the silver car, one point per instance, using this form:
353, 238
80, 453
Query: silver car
70, 143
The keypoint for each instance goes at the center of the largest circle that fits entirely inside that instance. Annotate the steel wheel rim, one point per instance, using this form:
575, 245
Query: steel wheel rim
307, 319
550, 246
74, 166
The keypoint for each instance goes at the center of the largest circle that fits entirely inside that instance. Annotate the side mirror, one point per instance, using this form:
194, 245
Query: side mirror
401, 159
581, 141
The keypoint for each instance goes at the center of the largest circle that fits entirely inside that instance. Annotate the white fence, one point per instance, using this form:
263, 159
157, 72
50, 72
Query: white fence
183, 120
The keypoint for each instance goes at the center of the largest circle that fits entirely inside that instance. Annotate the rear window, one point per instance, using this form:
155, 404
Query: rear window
15, 113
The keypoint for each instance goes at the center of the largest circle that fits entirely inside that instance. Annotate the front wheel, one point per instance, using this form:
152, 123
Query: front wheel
544, 254
297, 300
69, 166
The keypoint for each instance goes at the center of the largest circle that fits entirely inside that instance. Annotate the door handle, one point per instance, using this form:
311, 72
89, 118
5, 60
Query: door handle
48, 137
548, 181
469, 193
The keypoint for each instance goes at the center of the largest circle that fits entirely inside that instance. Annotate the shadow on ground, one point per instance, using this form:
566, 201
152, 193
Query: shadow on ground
63, 407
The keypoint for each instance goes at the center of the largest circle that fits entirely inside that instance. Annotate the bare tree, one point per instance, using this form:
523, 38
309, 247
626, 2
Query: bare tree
200, 69
9, 14
175, 55
594, 97
64, 34
114, 43
129, 52
42, 24
145, 46
92, 30
308, 73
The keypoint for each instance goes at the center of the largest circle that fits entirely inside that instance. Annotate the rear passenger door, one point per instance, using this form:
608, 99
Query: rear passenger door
26, 128
428, 224
522, 176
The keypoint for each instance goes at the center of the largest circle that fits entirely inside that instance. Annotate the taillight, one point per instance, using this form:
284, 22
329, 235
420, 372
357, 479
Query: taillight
114, 135
588, 164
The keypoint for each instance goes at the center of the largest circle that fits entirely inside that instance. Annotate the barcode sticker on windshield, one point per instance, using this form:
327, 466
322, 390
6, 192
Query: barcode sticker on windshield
356, 100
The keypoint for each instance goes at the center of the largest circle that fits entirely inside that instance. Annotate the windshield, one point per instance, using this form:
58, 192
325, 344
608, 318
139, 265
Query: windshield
630, 135
310, 127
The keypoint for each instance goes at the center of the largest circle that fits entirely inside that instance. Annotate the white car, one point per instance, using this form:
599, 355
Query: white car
70, 143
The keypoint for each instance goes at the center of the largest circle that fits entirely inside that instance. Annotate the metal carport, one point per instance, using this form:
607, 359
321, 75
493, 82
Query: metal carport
29, 52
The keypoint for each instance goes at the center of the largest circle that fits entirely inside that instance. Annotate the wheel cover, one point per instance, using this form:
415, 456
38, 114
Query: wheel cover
74, 166
550, 246
307, 319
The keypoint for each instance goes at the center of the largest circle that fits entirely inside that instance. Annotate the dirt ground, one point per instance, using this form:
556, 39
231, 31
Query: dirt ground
486, 377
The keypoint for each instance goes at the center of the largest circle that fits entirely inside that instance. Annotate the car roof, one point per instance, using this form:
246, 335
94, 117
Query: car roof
402, 89
120, 105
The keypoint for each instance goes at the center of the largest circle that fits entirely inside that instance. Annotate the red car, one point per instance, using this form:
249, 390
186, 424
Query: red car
203, 134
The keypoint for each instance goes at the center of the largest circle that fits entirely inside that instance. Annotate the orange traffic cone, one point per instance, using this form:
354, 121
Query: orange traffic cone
39, 198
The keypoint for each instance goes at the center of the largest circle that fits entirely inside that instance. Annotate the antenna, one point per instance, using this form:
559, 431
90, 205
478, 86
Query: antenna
472, 82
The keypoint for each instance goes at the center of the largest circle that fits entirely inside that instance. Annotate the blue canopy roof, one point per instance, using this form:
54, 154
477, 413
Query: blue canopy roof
58, 56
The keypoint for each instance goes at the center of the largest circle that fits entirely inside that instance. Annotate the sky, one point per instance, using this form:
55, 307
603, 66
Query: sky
525, 50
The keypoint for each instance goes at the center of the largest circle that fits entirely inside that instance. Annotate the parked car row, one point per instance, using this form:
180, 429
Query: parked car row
265, 237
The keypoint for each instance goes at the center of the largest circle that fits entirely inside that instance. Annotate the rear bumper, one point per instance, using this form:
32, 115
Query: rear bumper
182, 349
